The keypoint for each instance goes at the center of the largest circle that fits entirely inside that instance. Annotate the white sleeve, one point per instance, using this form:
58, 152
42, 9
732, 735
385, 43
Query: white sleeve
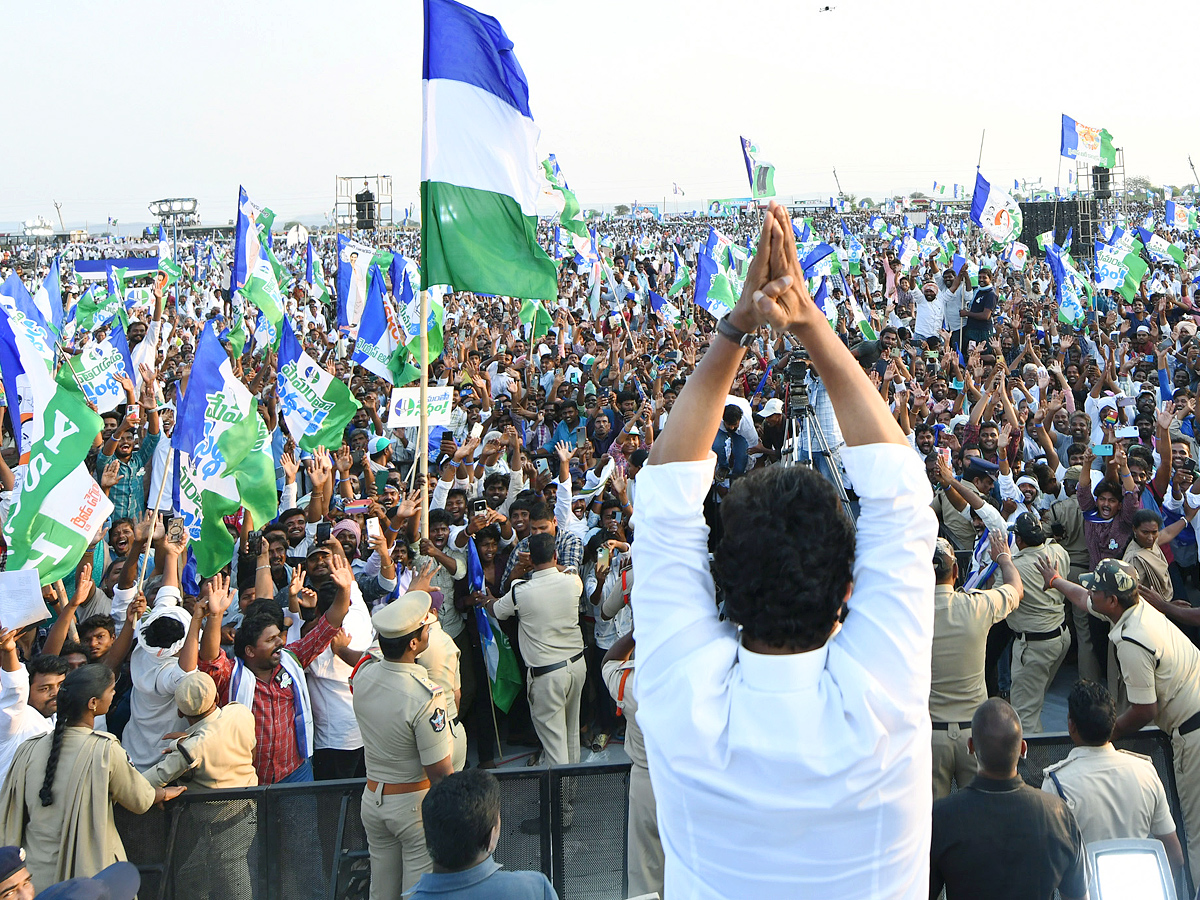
562, 503
122, 597
287, 497
437, 500
1008, 487
890, 630
14, 700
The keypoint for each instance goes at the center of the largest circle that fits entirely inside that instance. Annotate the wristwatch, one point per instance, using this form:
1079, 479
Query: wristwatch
732, 333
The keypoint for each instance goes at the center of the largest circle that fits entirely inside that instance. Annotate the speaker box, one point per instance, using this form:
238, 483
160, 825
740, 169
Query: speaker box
1038, 217
1101, 183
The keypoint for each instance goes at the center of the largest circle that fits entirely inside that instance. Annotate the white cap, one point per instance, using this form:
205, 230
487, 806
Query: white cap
772, 407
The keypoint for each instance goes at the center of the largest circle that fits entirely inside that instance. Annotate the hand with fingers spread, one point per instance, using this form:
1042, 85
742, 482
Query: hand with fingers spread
217, 594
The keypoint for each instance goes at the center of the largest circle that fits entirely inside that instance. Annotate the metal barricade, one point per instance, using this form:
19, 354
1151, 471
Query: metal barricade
306, 841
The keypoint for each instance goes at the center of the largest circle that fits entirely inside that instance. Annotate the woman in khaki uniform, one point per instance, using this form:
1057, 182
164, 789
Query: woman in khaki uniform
57, 800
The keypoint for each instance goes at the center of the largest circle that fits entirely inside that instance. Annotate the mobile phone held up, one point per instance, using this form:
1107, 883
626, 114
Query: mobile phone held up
373, 529
323, 532
478, 507
1102, 449
175, 530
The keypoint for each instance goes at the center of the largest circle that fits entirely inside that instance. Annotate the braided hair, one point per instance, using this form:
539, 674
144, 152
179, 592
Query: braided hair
80, 686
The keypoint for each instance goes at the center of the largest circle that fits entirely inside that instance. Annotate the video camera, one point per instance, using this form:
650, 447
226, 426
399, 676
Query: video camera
797, 381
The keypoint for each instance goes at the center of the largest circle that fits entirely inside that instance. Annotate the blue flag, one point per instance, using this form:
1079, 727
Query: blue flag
24, 313
246, 245
49, 297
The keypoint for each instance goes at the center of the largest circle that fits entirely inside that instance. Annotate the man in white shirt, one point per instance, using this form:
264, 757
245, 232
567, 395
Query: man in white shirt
790, 758
28, 697
930, 312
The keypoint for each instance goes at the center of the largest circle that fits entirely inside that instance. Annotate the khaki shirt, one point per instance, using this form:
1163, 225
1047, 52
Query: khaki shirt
1151, 565
1114, 794
619, 677
547, 610
961, 621
402, 716
957, 527
218, 752
441, 661
1067, 513
1040, 610
1164, 669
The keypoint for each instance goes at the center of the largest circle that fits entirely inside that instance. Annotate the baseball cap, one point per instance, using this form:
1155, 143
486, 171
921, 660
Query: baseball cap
977, 466
12, 861
1029, 529
120, 881
1073, 473
195, 693
772, 407
1111, 576
404, 615
377, 445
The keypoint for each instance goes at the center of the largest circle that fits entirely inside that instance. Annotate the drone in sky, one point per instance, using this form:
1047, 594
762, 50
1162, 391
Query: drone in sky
826, 8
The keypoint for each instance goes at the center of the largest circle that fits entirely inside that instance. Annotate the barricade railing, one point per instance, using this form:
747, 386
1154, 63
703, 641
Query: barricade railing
301, 841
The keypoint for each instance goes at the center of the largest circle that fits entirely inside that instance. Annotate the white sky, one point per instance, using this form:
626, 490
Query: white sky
115, 104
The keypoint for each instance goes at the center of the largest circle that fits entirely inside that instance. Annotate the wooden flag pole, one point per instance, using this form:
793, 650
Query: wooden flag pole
423, 433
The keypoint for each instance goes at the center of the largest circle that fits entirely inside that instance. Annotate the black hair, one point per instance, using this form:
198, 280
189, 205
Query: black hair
1142, 516
491, 533
70, 647
1091, 707
1142, 455
163, 632
496, 479
48, 664
922, 427
541, 548
1108, 486
439, 517
251, 630
459, 813
124, 520
394, 648
540, 512
260, 606
288, 513
786, 556
80, 686
98, 621
456, 492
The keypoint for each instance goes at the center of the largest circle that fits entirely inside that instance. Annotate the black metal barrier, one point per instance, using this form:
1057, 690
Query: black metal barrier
302, 841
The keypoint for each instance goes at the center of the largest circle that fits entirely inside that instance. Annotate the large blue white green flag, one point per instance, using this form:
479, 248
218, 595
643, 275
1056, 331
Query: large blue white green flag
682, 279
223, 455
262, 290
314, 274
354, 262
995, 212
717, 284
316, 405
97, 369
48, 297
247, 248
1180, 217
27, 318
1090, 145
380, 339
1160, 249
761, 174
480, 178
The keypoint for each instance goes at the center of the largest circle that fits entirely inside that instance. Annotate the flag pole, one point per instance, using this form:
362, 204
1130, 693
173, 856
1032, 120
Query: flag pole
150, 537
423, 433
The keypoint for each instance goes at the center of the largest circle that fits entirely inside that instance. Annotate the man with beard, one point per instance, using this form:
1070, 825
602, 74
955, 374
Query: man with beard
771, 429
128, 494
28, 697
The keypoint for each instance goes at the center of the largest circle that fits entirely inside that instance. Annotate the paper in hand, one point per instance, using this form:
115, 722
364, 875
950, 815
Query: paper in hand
21, 600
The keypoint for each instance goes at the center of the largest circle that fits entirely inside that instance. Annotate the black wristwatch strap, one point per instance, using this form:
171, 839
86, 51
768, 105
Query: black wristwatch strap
732, 333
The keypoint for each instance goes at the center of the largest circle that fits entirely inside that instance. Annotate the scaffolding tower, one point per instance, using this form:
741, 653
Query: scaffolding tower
362, 202
1101, 196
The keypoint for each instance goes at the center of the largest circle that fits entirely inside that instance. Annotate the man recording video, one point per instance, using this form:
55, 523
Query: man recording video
789, 745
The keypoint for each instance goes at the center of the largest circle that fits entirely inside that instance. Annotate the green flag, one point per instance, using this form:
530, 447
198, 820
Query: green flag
532, 311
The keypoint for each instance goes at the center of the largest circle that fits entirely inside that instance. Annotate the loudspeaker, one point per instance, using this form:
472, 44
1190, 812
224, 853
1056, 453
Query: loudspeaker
1100, 183
1042, 216
364, 208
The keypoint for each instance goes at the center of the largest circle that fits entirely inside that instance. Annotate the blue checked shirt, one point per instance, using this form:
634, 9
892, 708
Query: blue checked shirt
129, 493
567, 547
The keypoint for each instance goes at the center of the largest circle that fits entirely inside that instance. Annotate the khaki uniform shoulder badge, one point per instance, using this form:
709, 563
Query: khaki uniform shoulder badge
433, 688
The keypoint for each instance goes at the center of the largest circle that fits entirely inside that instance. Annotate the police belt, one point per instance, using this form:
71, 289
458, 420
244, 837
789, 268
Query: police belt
945, 726
535, 671
1190, 725
408, 787
1041, 635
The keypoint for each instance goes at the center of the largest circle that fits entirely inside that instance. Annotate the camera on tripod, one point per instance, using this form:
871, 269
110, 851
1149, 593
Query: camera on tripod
797, 381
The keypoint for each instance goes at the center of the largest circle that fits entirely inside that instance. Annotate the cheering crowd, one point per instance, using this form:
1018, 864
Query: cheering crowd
1061, 459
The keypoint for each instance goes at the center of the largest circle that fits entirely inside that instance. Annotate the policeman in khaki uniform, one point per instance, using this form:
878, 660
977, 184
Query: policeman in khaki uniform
1160, 669
1113, 793
408, 743
1039, 624
442, 661
961, 621
547, 609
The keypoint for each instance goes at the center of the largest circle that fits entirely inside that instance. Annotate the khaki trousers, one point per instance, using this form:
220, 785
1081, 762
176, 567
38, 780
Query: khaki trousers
1034, 665
643, 846
1186, 750
554, 706
952, 761
396, 837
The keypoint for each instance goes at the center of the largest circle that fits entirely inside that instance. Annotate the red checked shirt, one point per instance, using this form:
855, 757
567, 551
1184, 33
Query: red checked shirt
276, 754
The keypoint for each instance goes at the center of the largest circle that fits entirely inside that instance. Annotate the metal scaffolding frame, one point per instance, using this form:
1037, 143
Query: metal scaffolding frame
1095, 212
345, 211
